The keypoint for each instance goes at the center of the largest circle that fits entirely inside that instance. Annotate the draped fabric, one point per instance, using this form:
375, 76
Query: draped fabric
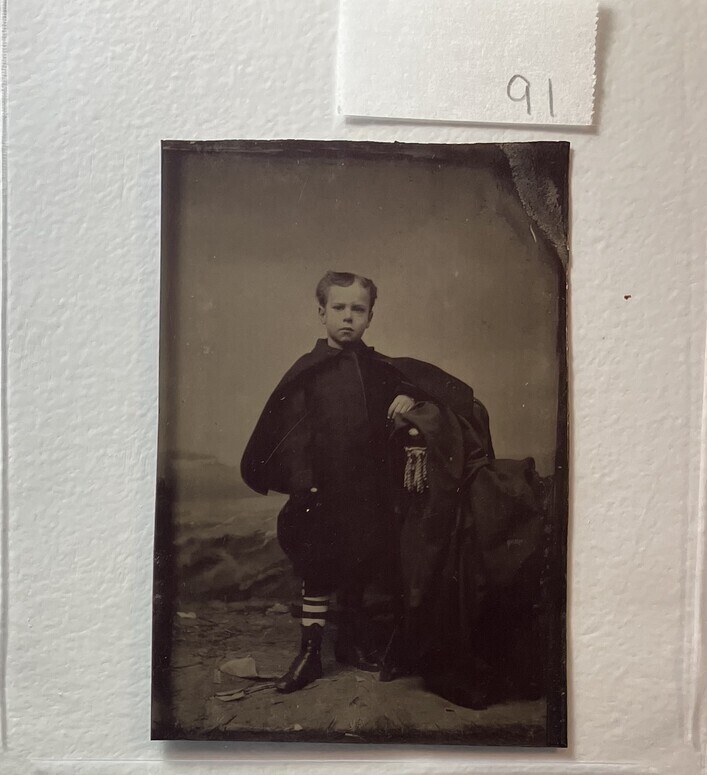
472, 549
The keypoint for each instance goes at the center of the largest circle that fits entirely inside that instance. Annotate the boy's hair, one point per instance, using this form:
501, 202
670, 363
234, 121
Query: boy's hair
344, 279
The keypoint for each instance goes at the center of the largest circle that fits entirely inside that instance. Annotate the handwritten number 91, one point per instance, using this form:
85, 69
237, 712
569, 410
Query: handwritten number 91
518, 90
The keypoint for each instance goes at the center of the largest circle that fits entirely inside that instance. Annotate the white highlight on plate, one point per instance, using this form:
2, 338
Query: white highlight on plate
490, 61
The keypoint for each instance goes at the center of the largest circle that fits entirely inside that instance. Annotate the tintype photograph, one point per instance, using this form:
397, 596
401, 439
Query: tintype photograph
362, 482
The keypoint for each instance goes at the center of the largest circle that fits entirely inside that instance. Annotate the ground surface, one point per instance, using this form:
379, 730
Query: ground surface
345, 705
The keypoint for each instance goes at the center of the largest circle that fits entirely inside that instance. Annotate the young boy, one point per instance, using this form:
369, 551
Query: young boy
322, 439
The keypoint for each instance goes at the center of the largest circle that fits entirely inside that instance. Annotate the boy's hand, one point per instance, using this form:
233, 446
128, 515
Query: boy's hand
400, 405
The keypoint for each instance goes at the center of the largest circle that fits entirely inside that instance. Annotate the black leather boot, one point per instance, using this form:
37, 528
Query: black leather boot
393, 662
307, 665
350, 647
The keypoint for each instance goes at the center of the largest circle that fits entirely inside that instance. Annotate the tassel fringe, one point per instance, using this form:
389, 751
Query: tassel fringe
415, 469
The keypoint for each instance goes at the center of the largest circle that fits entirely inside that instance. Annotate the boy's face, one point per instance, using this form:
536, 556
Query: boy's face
347, 314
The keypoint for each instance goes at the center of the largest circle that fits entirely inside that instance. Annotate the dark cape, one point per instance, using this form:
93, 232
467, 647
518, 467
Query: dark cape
470, 547
277, 454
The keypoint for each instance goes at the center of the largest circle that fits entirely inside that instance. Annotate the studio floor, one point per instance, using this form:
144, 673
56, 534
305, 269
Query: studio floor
345, 705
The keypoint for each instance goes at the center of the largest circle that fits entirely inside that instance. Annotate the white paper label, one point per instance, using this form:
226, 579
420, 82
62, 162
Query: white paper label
510, 61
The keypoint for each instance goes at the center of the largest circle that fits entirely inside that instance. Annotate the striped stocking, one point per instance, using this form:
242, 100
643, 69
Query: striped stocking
314, 608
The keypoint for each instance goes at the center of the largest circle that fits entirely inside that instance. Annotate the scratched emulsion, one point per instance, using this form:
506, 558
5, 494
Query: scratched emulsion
542, 190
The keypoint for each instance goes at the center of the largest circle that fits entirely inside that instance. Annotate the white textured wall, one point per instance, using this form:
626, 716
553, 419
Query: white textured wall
93, 87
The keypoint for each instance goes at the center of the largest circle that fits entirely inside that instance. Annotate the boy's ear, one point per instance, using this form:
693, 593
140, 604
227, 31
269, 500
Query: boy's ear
322, 312
370, 317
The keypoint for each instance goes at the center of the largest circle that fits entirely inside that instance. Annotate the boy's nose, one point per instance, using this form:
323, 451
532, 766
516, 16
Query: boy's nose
348, 315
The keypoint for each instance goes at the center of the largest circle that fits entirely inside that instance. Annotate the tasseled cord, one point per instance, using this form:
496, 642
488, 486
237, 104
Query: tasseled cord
415, 466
